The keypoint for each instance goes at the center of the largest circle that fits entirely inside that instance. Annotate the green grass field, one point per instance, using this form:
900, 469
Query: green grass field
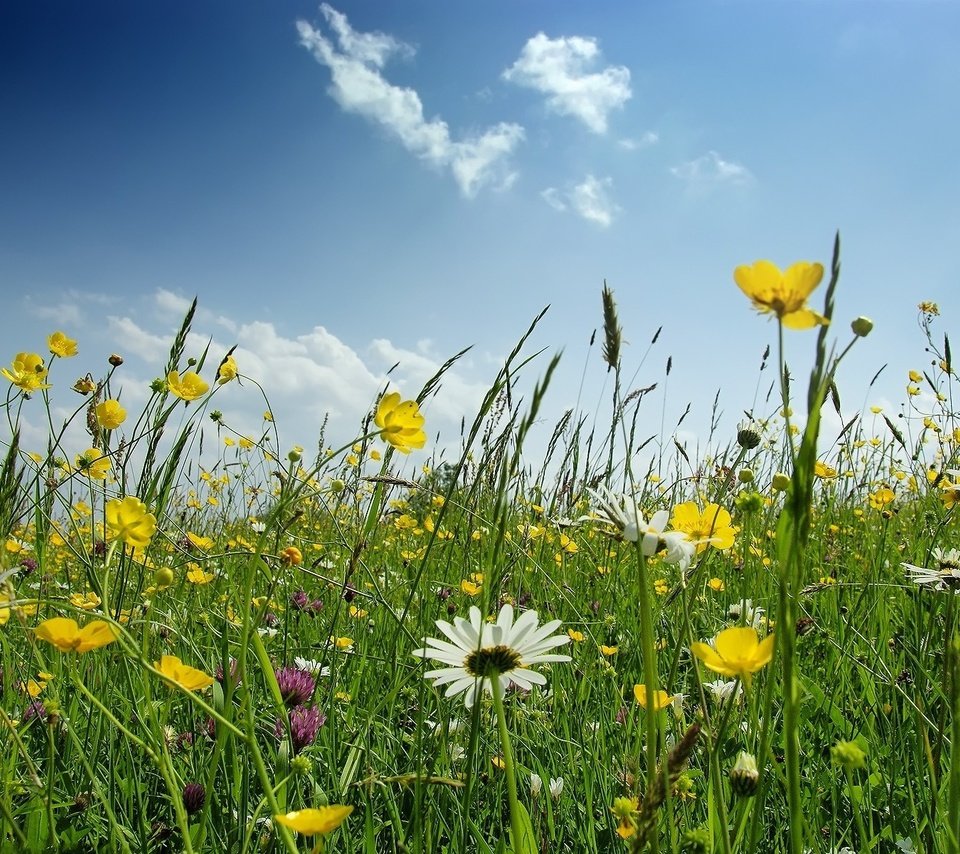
240, 673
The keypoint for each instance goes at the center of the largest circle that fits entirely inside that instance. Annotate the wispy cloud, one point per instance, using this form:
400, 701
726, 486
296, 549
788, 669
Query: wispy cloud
355, 63
711, 168
645, 140
560, 69
590, 199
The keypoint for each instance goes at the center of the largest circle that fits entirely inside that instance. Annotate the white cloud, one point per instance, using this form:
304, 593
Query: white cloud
645, 140
359, 87
712, 169
130, 337
590, 199
559, 68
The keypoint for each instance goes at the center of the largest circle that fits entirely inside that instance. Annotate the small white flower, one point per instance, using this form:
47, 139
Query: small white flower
478, 651
457, 752
258, 527
536, 785
945, 575
623, 513
556, 787
315, 668
905, 846
722, 690
267, 632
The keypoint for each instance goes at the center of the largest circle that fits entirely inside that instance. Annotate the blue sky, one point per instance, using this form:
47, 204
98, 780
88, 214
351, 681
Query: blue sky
350, 186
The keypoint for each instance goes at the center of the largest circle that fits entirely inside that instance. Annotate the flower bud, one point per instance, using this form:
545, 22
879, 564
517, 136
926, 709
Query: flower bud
748, 435
193, 797
781, 482
163, 577
115, 360
744, 775
296, 454
861, 326
745, 475
848, 755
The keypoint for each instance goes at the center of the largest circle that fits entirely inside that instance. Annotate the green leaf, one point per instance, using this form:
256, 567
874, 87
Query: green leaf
527, 843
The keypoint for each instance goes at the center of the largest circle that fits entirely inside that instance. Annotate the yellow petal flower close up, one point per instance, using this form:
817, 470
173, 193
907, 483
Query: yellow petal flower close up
128, 519
110, 414
188, 387
310, 822
401, 424
67, 636
187, 677
782, 293
61, 345
27, 372
736, 652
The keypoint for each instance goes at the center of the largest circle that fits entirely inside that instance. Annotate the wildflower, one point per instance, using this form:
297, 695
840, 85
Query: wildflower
312, 821
27, 372
782, 293
622, 513
401, 424
227, 370
710, 526
749, 434
128, 519
736, 652
188, 678
66, 636
193, 797
575, 636
197, 575
556, 788
822, 470
780, 482
315, 668
296, 686
85, 385
661, 699
722, 691
479, 651
946, 575
110, 414
93, 464
305, 723
188, 387
536, 785
744, 775
62, 346
848, 755
291, 556
861, 326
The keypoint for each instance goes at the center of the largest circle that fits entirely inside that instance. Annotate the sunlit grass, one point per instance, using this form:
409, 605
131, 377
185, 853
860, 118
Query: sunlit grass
244, 618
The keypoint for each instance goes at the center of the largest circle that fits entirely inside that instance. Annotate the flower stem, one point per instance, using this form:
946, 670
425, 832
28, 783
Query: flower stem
521, 839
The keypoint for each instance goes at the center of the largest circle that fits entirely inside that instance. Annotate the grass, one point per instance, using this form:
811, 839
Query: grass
263, 557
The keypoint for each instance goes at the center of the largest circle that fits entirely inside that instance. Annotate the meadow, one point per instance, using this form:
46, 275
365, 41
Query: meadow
237, 646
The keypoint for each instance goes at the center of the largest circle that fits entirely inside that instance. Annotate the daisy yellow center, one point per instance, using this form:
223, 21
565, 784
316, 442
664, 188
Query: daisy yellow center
491, 660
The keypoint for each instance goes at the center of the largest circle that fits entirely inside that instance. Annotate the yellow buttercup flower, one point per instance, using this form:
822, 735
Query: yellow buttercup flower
661, 699
736, 652
188, 387
93, 464
128, 519
62, 346
110, 414
401, 424
187, 677
227, 370
27, 372
782, 293
66, 636
710, 526
310, 822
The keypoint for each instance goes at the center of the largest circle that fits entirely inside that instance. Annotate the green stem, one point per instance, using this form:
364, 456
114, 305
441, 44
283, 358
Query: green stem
517, 826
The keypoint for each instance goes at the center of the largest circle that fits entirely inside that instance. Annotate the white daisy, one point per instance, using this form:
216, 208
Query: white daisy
477, 651
945, 575
310, 666
623, 513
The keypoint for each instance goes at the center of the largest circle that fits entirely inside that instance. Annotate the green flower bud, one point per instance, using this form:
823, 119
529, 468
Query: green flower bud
745, 475
861, 326
781, 482
697, 841
848, 755
744, 775
163, 577
748, 435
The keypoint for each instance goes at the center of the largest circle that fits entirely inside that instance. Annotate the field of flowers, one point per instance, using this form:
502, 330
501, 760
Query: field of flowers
254, 648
